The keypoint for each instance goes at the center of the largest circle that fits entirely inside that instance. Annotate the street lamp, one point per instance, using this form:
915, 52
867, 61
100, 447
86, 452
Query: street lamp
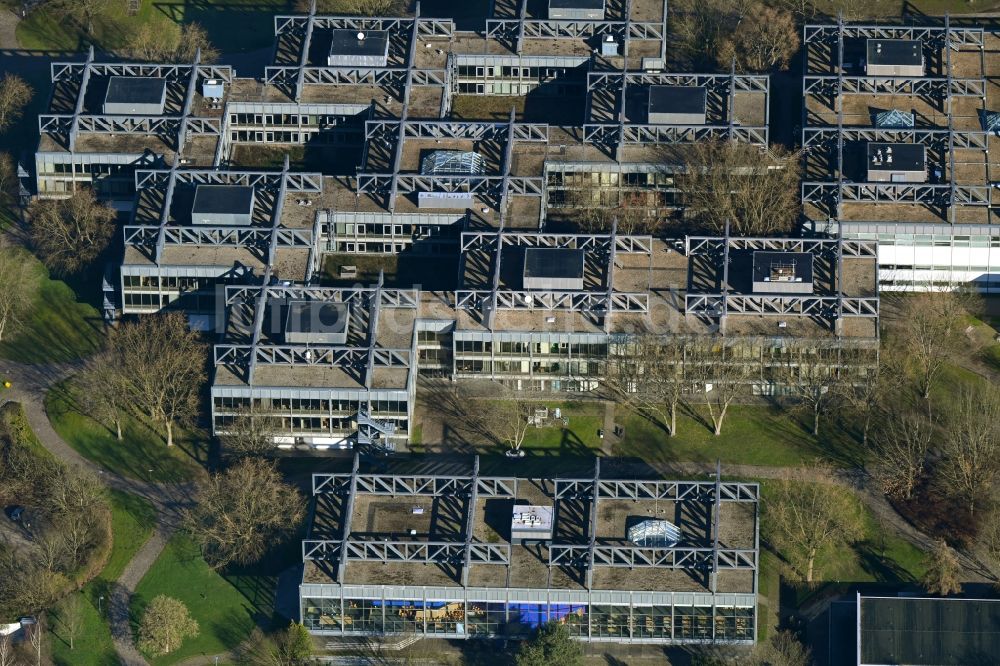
100, 599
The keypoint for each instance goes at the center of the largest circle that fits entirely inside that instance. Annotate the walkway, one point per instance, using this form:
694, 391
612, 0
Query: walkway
29, 386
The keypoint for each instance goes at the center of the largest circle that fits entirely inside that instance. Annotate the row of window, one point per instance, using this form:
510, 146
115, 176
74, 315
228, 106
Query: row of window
511, 72
293, 119
654, 179
319, 405
932, 240
383, 229
534, 348
319, 138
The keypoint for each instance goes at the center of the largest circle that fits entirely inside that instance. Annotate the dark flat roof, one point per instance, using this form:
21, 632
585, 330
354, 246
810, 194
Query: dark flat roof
897, 156
135, 90
801, 264
577, 4
922, 632
222, 199
346, 42
894, 52
678, 99
316, 317
553, 262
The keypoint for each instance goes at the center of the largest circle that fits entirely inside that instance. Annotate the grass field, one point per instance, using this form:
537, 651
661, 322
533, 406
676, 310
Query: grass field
131, 522
58, 328
232, 25
751, 435
225, 617
142, 455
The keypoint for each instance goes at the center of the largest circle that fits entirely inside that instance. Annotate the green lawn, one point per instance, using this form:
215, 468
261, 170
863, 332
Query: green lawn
59, 327
578, 437
142, 455
232, 25
751, 435
882, 556
224, 615
131, 523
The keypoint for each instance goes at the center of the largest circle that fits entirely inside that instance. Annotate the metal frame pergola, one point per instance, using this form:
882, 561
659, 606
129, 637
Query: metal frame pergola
294, 34
65, 128
832, 308
388, 137
483, 250
150, 229
514, 28
834, 84
606, 92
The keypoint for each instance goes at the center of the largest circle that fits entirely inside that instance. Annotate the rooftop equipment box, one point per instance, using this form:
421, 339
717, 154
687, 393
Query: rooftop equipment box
222, 205
135, 95
558, 269
894, 57
576, 9
677, 105
316, 322
896, 163
359, 48
782, 273
529, 523
445, 200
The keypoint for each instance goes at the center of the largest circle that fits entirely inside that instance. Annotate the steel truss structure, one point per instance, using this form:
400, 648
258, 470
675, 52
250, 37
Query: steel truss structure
496, 188
833, 307
586, 557
151, 239
607, 89
512, 31
484, 250
359, 361
176, 127
945, 196
293, 76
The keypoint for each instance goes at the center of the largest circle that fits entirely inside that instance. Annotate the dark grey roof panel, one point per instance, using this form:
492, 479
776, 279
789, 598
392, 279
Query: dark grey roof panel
678, 99
346, 42
897, 156
577, 4
553, 262
135, 90
894, 52
801, 264
221, 199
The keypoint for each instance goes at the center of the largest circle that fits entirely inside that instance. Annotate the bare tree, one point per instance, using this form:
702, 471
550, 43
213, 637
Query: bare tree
160, 356
809, 515
783, 649
765, 38
943, 570
104, 391
71, 617
720, 376
83, 12
901, 443
69, 234
250, 433
871, 396
169, 43
971, 446
7, 656
813, 384
21, 282
506, 418
649, 375
632, 215
9, 182
15, 93
929, 328
752, 189
700, 28
36, 635
242, 512
164, 626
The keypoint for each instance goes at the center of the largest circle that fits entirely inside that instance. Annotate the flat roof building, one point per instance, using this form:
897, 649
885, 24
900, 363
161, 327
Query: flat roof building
782, 272
893, 57
446, 553
553, 268
140, 95
896, 162
359, 48
677, 105
576, 9
222, 205
927, 632
316, 322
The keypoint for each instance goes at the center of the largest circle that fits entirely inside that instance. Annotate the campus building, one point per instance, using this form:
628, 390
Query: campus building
462, 554
899, 129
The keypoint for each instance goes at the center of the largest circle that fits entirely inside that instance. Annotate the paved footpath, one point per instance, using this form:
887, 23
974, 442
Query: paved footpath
30, 383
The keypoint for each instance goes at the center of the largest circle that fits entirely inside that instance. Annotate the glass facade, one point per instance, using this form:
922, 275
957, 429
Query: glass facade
664, 623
